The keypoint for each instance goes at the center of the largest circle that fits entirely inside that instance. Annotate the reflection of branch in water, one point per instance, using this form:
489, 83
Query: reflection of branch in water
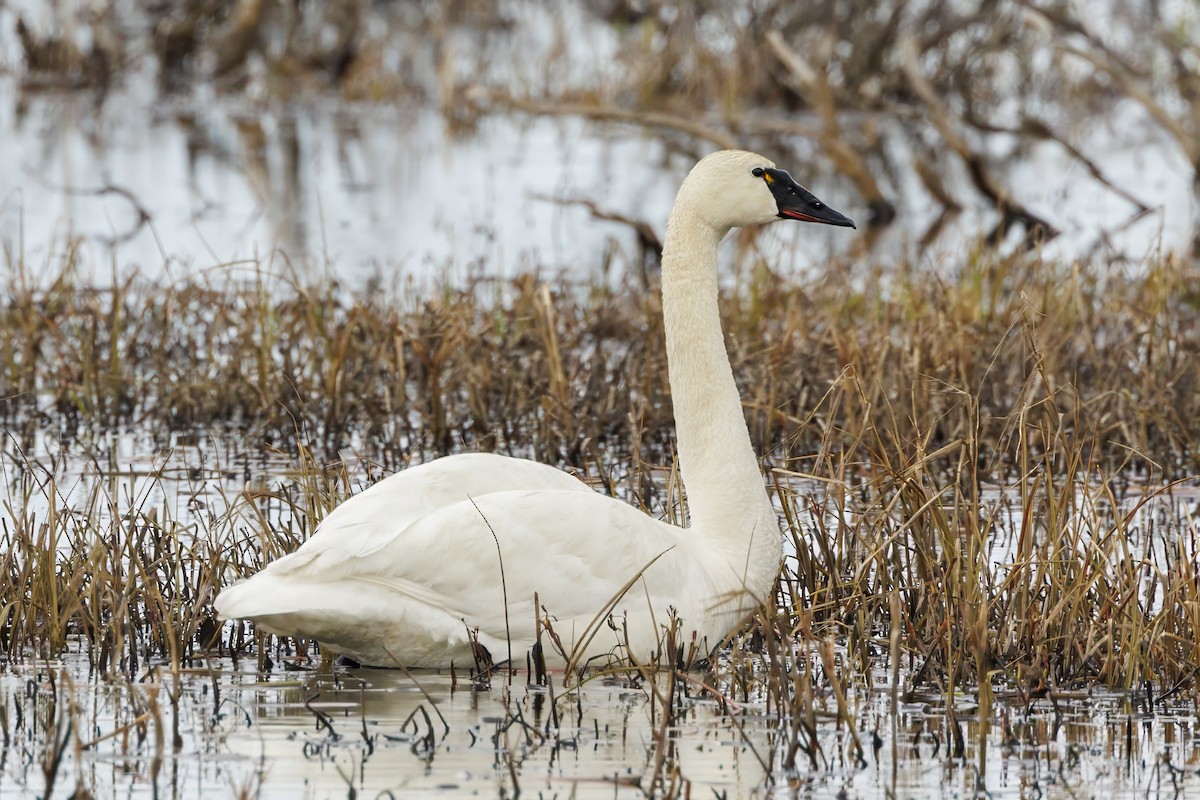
1181, 120
649, 245
932, 181
648, 119
814, 86
1038, 129
1012, 211
144, 218
936, 227
1104, 238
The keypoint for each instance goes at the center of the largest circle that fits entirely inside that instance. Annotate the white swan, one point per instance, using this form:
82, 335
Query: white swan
407, 571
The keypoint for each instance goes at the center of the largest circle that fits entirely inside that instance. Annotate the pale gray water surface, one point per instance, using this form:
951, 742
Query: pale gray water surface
349, 191
352, 189
293, 732
372, 733
357, 191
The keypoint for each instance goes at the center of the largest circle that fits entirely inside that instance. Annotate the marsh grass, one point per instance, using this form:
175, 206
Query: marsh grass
985, 476
844, 361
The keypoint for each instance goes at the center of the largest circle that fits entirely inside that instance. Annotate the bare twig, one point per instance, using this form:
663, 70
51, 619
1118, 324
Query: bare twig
648, 119
943, 119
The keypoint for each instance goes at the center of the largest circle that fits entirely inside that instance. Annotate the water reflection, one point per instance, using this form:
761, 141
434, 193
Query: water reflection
414, 733
350, 190
291, 734
178, 181
295, 732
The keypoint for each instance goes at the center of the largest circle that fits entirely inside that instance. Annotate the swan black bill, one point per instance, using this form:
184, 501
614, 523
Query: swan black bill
796, 202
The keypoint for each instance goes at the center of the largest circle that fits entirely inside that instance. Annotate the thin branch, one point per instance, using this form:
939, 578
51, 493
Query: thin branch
647, 119
1037, 228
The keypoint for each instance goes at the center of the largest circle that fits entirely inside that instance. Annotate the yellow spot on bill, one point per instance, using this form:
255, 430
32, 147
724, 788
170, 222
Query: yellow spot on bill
767, 177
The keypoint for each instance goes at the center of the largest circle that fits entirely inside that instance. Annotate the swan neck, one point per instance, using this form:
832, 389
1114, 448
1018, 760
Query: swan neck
727, 499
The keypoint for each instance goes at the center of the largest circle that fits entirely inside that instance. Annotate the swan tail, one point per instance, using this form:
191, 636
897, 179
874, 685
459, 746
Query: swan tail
261, 596
359, 618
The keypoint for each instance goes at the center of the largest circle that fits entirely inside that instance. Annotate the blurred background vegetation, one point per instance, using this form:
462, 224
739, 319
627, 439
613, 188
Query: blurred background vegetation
945, 98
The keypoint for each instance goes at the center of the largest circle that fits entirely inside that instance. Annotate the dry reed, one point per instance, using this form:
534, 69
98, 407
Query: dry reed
993, 449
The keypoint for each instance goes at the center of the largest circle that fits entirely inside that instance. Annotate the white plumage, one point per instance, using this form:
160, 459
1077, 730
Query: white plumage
408, 570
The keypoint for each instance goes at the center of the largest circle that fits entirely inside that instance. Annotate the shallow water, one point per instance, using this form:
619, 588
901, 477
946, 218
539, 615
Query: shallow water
370, 732
292, 732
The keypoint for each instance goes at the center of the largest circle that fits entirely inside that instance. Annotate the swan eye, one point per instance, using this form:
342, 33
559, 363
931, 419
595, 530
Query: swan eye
758, 172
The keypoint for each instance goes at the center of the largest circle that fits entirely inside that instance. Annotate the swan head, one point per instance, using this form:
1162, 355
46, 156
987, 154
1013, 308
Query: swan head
734, 188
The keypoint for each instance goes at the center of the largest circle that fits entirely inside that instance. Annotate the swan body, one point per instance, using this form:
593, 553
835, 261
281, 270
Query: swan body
419, 566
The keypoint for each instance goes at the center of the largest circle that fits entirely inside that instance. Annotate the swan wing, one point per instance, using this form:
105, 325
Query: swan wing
370, 520
475, 565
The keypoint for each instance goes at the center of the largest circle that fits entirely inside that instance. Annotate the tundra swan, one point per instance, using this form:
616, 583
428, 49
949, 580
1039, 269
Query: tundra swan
409, 571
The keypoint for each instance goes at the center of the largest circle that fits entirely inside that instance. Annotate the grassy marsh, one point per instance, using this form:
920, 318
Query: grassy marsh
986, 469
985, 476
841, 361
